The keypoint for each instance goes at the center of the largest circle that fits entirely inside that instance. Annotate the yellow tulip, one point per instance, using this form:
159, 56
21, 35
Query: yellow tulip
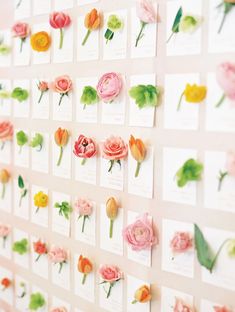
193, 94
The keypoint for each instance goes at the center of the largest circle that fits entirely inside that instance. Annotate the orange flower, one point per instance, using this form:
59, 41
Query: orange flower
5, 282
40, 41
92, 22
138, 152
85, 267
61, 138
142, 295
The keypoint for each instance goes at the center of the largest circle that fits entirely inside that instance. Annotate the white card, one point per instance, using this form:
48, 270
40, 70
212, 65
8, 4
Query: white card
208, 306
61, 5
22, 9
6, 202
86, 173
39, 267
64, 169
90, 50
21, 57
41, 216
187, 117
5, 104
180, 263
42, 7
63, 111
40, 159
41, 57
36, 289
21, 153
60, 224
142, 185
225, 198
141, 117
89, 234
40, 110
114, 244
142, 256
114, 302
65, 54
6, 245
59, 303
133, 284
173, 160
116, 47
223, 272
61, 279
86, 290
183, 43
218, 118
169, 298
21, 206
21, 260
148, 43
5, 35
114, 113
22, 109
21, 286
87, 114
84, 2
223, 41
7, 294
113, 179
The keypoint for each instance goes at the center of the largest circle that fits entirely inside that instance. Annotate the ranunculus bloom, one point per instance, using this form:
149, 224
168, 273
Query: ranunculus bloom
40, 41
145, 11
84, 148
225, 75
6, 131
181, 306
83, 207
39, 248
221, 309
21, 30
114, 148
40, 200
181, 242
194, 93
142, 294
109, 87
110, 273
5, 282
60, 20
59, 309
140, 235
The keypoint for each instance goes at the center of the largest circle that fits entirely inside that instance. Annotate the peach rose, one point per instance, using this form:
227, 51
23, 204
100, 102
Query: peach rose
110, 273
62, 84
6, 131
181, 242
114, 148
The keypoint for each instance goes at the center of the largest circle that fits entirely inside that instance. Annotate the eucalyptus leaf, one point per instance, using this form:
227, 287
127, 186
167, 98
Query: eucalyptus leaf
20, 182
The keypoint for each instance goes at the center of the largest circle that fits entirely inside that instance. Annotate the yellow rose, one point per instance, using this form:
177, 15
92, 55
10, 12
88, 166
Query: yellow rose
194, 93
40, 200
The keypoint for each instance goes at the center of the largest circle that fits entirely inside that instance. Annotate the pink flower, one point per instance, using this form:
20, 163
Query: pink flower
230, 163
110, 273
21, 30
85, 148
83, 207
43, 86
59, 309
6, 131
221, 309
140, 235
145, 11
114, 148
59, 20
4, 230
109, 87
181, 306
62, 85
181, 242
225, 76
57, 255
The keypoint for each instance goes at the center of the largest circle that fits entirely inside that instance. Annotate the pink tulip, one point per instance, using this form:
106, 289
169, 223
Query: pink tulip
60, 20
225, 76
84, 148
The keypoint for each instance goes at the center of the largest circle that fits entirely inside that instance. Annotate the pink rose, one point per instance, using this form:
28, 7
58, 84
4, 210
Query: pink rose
225, 76
109, 87
145, 11
59, 309
181, 306
83, 207
110, 273
43, 86
140, 235
84, 147
230, 163
181, 242
57, 255
221, 309
6, 131
4, 230
62, 84
21, 30
114, 148
59, 20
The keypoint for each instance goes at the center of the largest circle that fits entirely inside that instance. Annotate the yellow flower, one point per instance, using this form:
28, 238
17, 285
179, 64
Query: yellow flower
40, 41
193, 94
40, 200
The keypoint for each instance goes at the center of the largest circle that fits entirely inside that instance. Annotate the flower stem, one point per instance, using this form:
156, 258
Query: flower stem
37, 210
180, 101
20, 202
61, 38
137, 169
4, 241
84, 106
222, 23
83, 223
221, 178
86, 37
111, 228
21, 44
61, 98
172, 34
109, 291
111, 165
2, 146
221, 100
41, 95
84, 278
3, 190
83, 161
140, 35
218, 253
18, 4
60, 157
61, 266
38, 257
134, 301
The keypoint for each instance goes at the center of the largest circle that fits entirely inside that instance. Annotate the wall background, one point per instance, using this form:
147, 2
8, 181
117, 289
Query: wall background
158, 136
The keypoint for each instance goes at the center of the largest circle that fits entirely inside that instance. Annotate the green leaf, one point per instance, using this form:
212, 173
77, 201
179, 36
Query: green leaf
20, 94
89, 96
21, 247
21, 138
64, 209
36, 301
175, 27
205, 255
109, 34
190, 171
20, 182
36, 140
145, 95
114, 23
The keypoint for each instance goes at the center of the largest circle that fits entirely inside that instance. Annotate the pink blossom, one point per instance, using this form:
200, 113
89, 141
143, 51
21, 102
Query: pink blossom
225, 76
4, 230
57, 255
6, 131
114, 148
140, 235
145, 11
109, 87
43, 86
83, 207
181, 306
110, 273
20, 30
59, 309
230, 163
62, 84
221, 309
181, 242
59, 20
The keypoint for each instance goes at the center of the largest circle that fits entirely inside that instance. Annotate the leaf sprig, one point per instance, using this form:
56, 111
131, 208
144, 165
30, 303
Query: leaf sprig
37, 301
22, 188
65, 209
190, 171
145, 95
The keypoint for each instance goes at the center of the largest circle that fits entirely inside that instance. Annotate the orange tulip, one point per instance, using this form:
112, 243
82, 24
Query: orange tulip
111, 212
138, 152
61, 138
92, 22
85, 267
142, 295
4, 178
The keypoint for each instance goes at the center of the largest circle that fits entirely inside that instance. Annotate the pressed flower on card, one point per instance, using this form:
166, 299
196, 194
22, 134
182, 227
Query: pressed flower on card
21, 30
21, 139
89, 96
180, 306
37, 141
92, 22
65, 209
40, 200
40, 249
138, 152
85, 267
84, 208
5, 230
109, 87
190, 171
85, 148
36, 301
110, 275
5, 283
20, 94
221, 309
21, 247
6, 132
111, 212
61, 137
4, 179
23, 288
180, 243
192, 94
59, 309
40, 41
142, 295
23, 189
60, 20
226, 6
114, 24
58, 255
145, 95
62, 85
230, 168
43, 87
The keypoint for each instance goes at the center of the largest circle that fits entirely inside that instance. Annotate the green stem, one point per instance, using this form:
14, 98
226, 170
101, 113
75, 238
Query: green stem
40, 148
60, 157
140, 35
61, 266
20, 202
137, 169
221, 178
134, 301
172, 34
111, 228
218, 253
180, 101
83, 161
22, 40
86, 37
40, 98
83, 223
111, 165
3, 190
38, 257
84, 106
2, 146
37, 209
61, 98
222, 23
221, 100
84, 278
18, 4
4, 241
61, 38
